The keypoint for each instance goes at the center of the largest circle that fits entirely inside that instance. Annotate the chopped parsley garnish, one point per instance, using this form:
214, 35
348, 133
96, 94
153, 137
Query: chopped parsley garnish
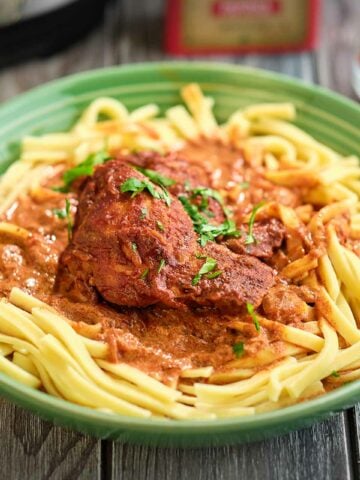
244, 185
213, 275
206, 230
238, 349
60, 213
133, 246
144, 213
206, 193
160, 226
144, 274
209, 213
335, 374
69, 219
208, 266
137, 186
83, 169
250, 236
161, 265
209, 232
156, 177
251, 312
65, 213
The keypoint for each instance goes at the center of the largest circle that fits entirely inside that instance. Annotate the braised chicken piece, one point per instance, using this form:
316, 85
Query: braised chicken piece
203, 162
136, 250
289, 303
269, 235
172, 165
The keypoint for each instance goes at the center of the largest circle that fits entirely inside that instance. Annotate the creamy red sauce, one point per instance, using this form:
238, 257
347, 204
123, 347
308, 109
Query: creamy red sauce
158, 339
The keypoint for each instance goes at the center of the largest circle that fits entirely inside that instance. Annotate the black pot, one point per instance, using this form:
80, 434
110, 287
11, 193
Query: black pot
48, 30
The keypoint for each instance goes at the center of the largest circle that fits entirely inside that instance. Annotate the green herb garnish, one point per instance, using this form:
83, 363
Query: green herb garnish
251, 312
83, 169
144, 274
161, 265
144, 212
156, 177
59, 213
208, 266
335, 374
137, 186
250, 236
207, 231
160, 226
213, 275
206, 193
244, 185
238, 349
65, 213
69, 219
133, 246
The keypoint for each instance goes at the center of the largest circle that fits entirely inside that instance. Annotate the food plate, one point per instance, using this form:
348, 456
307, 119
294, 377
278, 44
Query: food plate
56, 106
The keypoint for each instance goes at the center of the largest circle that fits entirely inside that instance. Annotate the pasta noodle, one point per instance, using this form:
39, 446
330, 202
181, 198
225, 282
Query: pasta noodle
43, 349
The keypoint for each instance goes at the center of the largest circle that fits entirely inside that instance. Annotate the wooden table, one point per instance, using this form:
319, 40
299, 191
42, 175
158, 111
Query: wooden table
33, 449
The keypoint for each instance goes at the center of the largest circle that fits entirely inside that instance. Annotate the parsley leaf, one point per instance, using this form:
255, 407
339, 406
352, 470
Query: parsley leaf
137, 186
69, 219
206, 230
250, 236
160, 226
213, 275
164, 195
65, 213
144, 274
244, 185
206, 193
83, 169
208, 266
144, 212
59, 213
209, 232
251, 311
161, 265
156, 177
133, 185
335, 374
133, 246
238, 349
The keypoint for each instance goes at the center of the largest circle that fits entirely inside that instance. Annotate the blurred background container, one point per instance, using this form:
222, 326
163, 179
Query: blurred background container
238, 26
42, 27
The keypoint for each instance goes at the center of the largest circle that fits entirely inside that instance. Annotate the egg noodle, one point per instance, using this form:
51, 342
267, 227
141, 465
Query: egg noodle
40, 348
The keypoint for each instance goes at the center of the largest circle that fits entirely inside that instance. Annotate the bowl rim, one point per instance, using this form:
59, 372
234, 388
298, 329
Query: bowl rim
34, 399
216, 66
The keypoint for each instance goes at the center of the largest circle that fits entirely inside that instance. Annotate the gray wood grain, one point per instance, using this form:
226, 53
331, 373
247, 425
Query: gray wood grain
340, 27
33, 449
320, 452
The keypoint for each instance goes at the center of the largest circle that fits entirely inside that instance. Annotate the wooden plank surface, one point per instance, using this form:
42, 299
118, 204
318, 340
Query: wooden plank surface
320, 452
33, 449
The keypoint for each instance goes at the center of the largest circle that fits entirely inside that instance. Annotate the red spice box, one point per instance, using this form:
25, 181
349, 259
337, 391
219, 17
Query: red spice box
240, 26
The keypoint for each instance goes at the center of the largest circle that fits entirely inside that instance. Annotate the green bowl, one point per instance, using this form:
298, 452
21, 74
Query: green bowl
54, 107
